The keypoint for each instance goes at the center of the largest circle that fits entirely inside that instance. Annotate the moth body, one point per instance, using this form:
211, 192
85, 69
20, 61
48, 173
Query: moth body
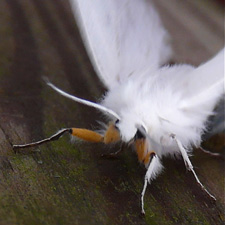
142, 102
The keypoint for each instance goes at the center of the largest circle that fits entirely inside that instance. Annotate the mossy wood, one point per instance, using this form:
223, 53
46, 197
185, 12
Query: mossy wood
64, 183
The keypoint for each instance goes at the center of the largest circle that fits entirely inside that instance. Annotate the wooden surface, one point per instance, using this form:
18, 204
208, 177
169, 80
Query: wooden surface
64, 183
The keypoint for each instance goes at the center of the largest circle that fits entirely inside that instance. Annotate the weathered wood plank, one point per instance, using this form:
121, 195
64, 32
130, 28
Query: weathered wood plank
61, 183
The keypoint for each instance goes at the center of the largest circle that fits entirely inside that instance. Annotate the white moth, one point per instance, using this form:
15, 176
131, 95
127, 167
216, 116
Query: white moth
161, 110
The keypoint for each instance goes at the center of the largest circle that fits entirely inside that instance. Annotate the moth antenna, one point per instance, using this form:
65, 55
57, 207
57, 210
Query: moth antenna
188, 164
83, 101
54, 137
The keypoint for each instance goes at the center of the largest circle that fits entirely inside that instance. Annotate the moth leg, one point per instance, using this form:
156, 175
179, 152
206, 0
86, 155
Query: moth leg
84, 134
54, 137
114, 155
209, 152
87, 135
112, 135
189, 165
153, 160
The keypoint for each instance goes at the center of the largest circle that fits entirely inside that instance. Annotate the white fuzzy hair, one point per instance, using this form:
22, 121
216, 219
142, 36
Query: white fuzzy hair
164, 102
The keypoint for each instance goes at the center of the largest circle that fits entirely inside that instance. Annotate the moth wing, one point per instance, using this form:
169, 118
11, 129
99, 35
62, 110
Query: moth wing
205, 84
123, 38
204, 88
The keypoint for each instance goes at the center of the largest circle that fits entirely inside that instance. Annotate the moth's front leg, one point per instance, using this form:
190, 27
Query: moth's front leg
84, 134
87, 135
54, 137
111, 135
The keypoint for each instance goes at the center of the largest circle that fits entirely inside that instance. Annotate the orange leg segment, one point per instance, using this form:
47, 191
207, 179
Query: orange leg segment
144, 155
140, 145
112, 134
87, 135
